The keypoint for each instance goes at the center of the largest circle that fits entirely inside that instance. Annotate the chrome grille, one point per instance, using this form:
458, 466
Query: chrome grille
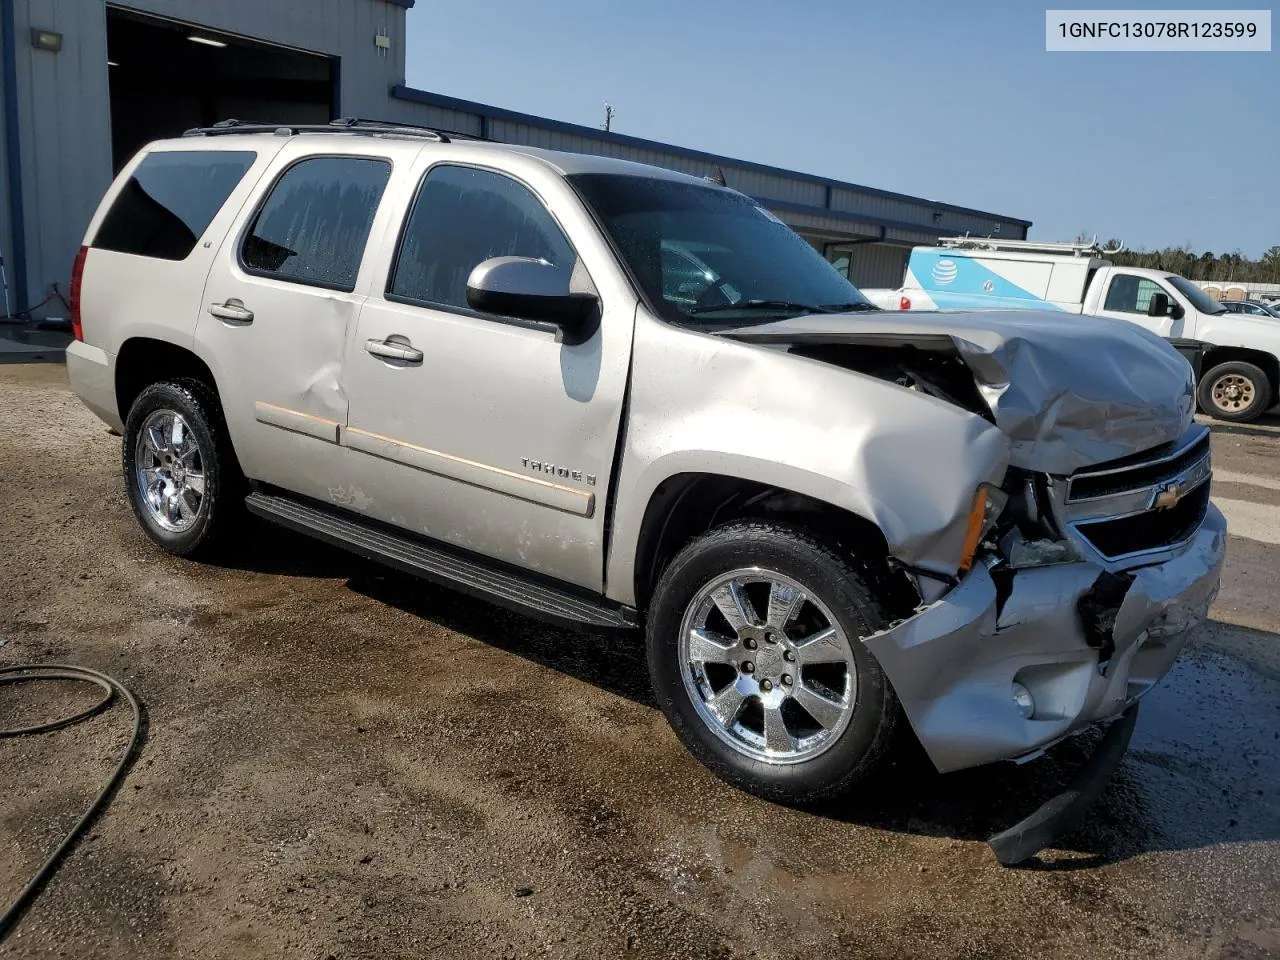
1153, 530
1125, 475
1141, 504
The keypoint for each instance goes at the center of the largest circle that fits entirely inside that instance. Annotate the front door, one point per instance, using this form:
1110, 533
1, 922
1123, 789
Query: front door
1129, 296
483, 431
277, 309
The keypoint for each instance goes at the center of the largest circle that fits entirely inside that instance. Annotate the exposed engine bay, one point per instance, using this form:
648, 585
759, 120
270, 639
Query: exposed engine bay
937, 372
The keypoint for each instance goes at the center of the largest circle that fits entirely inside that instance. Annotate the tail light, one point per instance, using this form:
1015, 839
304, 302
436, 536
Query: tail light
77, 275
904, 303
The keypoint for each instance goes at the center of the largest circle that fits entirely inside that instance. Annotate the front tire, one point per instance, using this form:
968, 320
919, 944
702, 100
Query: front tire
756, 657
1235, 391
181, 474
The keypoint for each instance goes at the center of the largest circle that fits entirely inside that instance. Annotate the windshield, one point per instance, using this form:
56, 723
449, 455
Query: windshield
1199, 299
705, 254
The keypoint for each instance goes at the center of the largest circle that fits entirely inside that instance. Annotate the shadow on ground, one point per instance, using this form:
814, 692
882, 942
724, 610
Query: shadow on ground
1191, 779
24, 344
1265, 426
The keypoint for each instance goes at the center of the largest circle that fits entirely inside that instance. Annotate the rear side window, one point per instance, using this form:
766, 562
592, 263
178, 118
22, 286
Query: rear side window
169, 202
462, 217
313, 226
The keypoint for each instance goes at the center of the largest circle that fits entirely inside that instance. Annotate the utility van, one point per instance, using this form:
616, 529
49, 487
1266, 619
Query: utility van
1236, 356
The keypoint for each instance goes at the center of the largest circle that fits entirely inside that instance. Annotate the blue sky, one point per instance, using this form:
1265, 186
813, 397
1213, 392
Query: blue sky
958, 102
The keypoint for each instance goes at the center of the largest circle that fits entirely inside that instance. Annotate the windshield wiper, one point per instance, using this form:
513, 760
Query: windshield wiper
788, 305
847, 307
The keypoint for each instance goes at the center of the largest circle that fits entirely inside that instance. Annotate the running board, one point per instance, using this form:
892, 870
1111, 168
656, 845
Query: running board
449, 568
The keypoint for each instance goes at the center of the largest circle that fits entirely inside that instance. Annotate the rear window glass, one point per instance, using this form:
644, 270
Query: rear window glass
169, 202
313, 226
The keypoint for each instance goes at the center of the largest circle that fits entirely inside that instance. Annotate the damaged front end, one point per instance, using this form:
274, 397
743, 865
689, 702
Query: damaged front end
1104, 553
1106, 550
1080, 602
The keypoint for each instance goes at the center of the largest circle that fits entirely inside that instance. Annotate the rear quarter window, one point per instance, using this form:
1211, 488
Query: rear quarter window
169, 202
313, 226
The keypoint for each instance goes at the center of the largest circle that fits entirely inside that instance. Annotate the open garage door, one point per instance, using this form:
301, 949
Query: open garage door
167, 77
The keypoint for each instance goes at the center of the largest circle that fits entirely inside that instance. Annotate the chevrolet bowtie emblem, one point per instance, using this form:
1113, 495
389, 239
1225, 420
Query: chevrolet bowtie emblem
1167, 496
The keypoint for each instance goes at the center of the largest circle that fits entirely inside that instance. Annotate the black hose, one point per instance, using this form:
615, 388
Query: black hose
111, 687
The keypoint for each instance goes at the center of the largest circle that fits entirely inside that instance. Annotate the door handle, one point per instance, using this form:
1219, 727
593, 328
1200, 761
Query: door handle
391, 350
232, 311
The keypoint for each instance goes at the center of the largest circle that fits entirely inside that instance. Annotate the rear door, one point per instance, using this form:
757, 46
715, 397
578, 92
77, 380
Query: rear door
279, 304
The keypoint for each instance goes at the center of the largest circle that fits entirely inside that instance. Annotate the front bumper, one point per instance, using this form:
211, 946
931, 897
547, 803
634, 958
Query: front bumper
953, 664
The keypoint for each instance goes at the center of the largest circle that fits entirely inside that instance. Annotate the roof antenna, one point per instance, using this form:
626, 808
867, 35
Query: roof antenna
718, 178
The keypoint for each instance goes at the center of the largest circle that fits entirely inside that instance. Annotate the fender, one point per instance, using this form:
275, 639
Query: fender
907, 462
1238, 330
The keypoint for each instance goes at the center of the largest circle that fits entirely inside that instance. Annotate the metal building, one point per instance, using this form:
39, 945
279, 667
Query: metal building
84, 83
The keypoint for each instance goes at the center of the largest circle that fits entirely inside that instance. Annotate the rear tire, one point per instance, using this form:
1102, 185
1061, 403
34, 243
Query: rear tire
181, 473
1235, 391
787, 720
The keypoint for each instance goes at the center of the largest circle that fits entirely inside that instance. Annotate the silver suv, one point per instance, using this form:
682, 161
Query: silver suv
616, 396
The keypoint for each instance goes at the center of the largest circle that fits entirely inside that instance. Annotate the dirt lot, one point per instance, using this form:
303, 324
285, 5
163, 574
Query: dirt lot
344, 763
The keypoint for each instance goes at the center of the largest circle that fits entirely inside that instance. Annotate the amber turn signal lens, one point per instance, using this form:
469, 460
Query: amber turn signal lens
974, 529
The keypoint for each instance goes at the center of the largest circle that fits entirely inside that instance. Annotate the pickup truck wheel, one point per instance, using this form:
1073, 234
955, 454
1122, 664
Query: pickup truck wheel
180, 472
755, 652
1235, 391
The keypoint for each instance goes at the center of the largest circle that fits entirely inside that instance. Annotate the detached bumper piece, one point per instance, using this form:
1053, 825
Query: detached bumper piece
1059, 814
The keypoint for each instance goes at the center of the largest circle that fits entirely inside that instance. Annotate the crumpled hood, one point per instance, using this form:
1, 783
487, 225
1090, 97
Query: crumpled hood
1067, 390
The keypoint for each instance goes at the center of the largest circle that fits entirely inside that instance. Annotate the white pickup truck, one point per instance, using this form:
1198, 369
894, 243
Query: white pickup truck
1236, 357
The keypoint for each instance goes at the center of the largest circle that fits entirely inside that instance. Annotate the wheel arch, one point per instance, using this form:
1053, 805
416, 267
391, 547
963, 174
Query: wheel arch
143, 361
687, 505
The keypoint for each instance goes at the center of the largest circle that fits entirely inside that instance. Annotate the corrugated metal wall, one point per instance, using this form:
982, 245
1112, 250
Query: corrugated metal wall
64, 112
6, 228
945, 222
753, 182
63, 119
878, 265
817, 224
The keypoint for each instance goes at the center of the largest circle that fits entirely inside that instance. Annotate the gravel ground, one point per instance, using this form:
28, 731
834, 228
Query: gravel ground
344, 763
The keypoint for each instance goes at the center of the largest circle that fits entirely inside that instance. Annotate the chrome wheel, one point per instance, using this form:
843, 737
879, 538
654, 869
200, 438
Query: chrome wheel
767, 667
1232, 392
169, 471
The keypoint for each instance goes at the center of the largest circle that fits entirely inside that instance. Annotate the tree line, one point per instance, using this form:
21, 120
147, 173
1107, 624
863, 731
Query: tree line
1202, 266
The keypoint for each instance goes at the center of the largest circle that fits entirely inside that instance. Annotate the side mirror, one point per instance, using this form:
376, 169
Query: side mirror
530, 289
1159, 305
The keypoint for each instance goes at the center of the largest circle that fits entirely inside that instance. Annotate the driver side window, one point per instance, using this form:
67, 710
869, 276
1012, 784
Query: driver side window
1129, 294
461, 217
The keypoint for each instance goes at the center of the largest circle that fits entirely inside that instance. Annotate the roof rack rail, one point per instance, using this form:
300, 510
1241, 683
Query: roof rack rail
1078, 248
341, 125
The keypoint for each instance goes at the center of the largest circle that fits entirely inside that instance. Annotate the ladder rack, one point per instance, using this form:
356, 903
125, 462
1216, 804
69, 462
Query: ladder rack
1090, 248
